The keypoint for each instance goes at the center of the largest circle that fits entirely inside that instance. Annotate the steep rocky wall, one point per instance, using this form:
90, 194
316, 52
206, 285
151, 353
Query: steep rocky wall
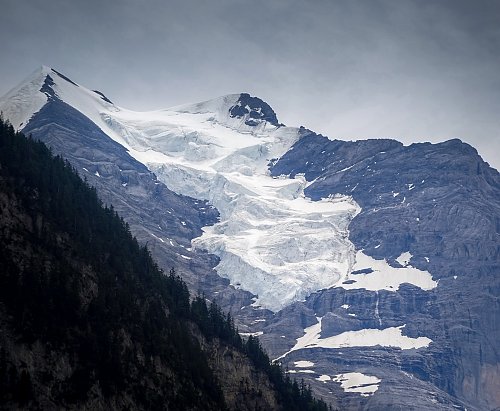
441, 203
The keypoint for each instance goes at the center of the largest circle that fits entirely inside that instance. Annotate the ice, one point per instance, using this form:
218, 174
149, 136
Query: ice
271, 239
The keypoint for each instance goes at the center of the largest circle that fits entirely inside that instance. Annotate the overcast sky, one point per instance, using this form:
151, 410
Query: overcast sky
414, 70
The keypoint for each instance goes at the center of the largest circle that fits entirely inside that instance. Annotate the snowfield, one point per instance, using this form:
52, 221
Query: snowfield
369, 337
382, 276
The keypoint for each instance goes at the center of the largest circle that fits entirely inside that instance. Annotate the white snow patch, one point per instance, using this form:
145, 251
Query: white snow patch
385, 277
256, 334
158, 238
369, 337
455, 277
324, 378
345, 306
357, 382
303, 364
97, 174
404, 258
20, 103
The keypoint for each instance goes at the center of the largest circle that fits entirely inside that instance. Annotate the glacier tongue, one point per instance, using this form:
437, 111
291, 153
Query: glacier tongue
275, 245
271, 239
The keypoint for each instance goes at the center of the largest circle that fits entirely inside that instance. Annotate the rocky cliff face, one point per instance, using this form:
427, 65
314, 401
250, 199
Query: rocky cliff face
440, 203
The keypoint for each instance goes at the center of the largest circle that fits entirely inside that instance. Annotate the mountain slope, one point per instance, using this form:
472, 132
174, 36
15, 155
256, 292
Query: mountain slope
439, 206
369, 268
218, 151
88, 320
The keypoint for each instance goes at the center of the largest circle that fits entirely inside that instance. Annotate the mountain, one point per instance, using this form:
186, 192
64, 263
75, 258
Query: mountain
368, 268
89, 321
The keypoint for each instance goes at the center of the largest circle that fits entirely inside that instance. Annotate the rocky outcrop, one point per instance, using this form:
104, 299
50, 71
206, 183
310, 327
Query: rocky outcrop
440, 203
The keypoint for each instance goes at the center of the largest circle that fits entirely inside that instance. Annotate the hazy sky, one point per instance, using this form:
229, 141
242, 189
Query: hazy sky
414, 70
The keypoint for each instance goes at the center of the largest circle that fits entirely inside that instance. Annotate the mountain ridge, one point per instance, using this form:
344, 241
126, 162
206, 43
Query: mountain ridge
389, 227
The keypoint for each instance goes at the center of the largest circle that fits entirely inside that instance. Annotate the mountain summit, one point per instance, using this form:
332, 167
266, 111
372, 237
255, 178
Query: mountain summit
251, 111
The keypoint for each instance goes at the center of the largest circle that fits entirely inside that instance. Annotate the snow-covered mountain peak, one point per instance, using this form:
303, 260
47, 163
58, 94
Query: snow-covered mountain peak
46, 83
21, 102
253, 110
238, 111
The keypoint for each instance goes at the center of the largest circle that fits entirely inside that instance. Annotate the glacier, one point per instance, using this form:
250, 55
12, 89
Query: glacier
271, 239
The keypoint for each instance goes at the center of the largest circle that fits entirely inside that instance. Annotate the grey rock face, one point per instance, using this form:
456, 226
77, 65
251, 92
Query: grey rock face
255, 109
441, 203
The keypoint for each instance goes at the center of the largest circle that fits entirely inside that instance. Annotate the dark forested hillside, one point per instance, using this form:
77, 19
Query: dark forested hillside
89, 321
